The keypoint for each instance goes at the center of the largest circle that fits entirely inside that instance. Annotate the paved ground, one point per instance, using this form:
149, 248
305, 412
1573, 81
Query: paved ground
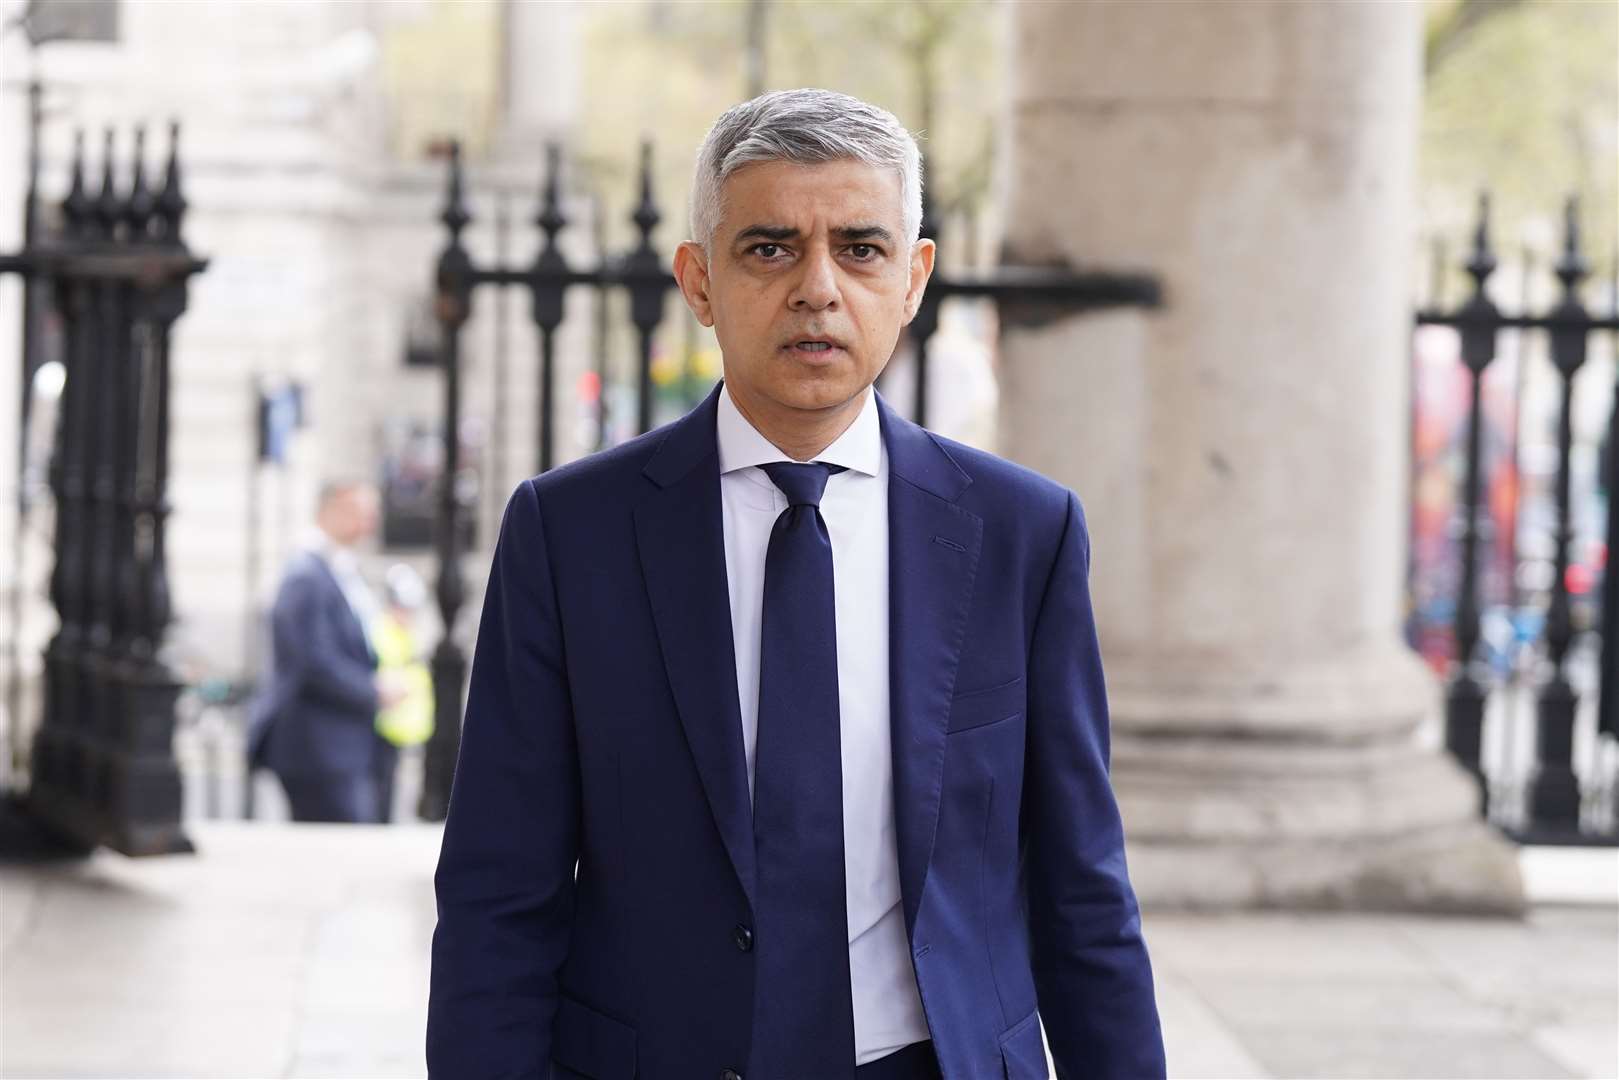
301, 951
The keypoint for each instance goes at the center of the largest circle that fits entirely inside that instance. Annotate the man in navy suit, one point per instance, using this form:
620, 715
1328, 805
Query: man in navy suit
786, 750
313, 722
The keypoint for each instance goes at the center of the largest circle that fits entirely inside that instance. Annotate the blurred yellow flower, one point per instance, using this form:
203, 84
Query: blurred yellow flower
705, 363
665, 369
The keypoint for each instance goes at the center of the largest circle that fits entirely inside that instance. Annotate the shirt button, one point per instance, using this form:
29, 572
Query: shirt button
730, 1074
744, 941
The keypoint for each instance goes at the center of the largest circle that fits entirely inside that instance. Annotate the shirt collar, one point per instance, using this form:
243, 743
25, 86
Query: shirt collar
741, 446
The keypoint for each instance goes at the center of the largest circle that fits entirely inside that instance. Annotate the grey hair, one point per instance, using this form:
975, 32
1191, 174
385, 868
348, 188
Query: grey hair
806, 127
333, 488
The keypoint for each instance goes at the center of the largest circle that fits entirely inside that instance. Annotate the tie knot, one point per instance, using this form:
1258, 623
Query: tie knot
802, 482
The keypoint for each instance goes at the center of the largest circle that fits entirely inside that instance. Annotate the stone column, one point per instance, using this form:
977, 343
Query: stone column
1241, 453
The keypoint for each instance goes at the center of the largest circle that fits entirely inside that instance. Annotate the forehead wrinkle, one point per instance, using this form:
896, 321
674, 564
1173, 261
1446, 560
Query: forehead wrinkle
795, 190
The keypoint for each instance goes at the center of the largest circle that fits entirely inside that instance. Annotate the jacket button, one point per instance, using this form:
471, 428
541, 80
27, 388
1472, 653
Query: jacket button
730, 1074
744, 941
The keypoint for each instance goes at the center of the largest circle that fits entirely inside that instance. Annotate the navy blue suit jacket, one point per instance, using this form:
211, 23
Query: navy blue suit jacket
316, 713
598, 854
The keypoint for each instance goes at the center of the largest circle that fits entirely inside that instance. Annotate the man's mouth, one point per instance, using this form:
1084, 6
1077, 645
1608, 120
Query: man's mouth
813, 346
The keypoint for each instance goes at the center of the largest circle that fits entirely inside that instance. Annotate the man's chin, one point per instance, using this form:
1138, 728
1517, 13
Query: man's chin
820, 395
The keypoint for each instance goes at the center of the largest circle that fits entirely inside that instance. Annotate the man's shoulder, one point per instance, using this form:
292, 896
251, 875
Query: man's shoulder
1022, 509
600, 479
1002, 485
305, 565
304, 577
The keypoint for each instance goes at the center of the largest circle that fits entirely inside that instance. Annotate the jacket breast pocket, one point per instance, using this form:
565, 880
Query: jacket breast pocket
588, 1043
992, 705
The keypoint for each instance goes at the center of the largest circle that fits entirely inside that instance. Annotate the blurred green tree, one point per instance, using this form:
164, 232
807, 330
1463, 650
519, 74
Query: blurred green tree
1522, 98
665, 70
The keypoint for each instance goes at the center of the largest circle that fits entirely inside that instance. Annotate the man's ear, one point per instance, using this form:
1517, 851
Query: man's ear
922, 253
691, 273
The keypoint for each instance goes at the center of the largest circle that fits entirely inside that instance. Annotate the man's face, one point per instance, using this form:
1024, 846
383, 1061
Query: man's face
807, 281
351, 515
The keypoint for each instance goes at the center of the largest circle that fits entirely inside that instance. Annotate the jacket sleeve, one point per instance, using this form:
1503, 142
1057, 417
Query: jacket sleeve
306, 650
1091, 971
505, 879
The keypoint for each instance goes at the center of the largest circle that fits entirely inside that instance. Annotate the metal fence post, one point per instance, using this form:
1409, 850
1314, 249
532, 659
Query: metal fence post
1479, 320
449, 664
1554, 794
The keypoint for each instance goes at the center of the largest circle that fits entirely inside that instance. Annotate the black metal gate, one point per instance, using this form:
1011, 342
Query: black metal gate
1549, 802
115, 271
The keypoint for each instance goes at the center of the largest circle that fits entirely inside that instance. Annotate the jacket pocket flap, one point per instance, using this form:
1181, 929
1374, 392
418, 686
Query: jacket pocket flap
593, 1044
1023, 1052
981, 708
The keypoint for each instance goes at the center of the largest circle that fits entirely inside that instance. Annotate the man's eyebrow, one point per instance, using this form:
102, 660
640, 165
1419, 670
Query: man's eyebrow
847, 234
851, 234
775, 233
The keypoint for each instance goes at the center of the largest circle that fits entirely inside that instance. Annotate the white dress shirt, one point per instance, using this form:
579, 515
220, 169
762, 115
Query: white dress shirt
345, 568
887, 1007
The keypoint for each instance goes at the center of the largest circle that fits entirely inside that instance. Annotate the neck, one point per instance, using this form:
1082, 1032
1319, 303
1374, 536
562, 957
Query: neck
801, 434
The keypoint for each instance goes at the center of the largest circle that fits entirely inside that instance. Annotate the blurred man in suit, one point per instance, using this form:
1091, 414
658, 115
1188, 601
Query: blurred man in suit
313, 721
786, 755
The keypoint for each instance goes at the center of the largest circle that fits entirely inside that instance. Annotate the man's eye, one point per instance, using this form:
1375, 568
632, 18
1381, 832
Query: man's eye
767, 251
863, 252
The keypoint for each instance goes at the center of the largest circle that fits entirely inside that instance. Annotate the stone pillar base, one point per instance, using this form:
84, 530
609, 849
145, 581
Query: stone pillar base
1307, 789
1457, 869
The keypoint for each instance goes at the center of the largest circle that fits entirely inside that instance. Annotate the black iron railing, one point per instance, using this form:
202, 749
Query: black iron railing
1557, 805
102, 770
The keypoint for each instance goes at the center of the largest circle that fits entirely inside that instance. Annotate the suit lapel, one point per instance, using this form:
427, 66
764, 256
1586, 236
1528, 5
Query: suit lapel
933, 547
681, 539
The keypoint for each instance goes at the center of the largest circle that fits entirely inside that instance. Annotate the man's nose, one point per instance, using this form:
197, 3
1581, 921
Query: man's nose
817, 285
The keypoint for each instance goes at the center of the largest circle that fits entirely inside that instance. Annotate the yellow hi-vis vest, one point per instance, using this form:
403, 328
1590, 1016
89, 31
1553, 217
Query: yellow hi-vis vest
409, 721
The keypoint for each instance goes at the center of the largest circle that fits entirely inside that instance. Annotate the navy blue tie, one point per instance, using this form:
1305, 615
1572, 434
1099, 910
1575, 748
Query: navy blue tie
803, 1015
